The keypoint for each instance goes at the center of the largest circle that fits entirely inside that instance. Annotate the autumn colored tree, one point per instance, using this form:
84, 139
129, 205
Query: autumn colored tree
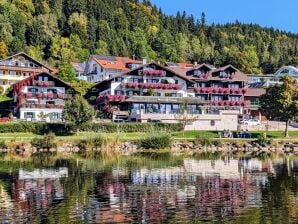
281, 101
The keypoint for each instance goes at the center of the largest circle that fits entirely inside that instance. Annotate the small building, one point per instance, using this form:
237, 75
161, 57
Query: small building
41, 97
18, 67
100, 68
79, 70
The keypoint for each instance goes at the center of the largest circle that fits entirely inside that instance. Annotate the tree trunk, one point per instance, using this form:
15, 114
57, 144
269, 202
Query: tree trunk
287, 128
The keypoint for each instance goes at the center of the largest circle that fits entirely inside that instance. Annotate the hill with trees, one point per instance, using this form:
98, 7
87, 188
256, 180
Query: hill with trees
60, 31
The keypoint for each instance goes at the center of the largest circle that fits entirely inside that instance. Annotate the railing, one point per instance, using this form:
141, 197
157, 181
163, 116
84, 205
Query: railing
215, 90
152, 86
44, 83
42, 106
62, 96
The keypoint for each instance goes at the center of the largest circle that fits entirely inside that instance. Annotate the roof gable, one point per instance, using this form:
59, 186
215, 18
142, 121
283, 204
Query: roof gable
26, 56
29, 81
157, 66
114, 63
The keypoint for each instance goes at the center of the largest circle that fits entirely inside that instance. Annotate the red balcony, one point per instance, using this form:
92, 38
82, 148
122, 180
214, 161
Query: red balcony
153, 86
42, 106
230, 103
215, 90
110, 98
154, 72
44, 83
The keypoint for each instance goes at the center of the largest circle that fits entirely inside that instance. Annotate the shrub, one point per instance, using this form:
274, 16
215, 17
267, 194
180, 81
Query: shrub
62, 129
47, 142
263, 139
156, 140
217, 143
90, 143
203, 140
3, 144
98, 141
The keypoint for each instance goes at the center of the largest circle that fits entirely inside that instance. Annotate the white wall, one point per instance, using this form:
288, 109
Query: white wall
37, 111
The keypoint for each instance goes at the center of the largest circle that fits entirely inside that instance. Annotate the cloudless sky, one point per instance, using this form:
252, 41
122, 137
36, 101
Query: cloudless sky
280, 14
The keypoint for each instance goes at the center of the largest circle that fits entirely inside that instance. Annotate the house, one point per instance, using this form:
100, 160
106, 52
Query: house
79, 70
100, 68
18, 67
41, 97
149, 89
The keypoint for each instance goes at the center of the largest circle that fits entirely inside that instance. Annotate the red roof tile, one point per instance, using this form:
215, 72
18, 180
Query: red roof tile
115, 63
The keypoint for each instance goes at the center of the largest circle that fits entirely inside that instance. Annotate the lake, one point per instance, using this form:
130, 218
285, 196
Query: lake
148, 188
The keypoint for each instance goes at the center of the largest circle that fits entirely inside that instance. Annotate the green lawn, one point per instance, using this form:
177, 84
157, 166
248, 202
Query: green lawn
133, 136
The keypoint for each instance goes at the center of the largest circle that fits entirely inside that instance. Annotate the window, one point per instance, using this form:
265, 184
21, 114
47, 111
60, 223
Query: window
118, 92
29, 115
234, 85
216, 85
33, 90
234, 98
212, 122
55, 116
217, 98
202, 97
255, 101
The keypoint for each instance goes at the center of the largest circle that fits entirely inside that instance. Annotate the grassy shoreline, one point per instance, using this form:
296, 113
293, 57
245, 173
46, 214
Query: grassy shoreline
187, 135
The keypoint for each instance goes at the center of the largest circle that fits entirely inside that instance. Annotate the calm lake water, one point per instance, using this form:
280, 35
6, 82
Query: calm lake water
148, 188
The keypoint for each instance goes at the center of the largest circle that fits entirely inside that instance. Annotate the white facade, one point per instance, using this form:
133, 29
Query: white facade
96, 73
41, 100
18, 67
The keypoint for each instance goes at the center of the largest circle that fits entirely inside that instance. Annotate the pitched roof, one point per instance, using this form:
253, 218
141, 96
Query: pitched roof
33, 76
32, 59
80, 67
165, 68
114, 63
125, 73
179, 65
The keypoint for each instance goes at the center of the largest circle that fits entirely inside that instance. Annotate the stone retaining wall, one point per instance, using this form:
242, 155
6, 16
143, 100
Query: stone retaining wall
187, 148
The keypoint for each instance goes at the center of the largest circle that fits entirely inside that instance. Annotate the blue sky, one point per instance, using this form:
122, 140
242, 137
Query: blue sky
281, 14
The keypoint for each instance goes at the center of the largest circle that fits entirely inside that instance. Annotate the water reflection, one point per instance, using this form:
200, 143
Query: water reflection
146, 189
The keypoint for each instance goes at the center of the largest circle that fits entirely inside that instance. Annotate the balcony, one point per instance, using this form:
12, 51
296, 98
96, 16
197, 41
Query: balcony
42, 106
110, 98
51, 96
12, 77
43, 83
149, 72
211, 90
153, 86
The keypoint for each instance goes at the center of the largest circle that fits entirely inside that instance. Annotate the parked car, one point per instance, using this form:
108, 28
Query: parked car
154, 120
250, 122
116, 120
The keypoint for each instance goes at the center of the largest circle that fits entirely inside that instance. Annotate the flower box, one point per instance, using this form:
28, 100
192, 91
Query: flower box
29, 95
50, 95
39, 95
61, 95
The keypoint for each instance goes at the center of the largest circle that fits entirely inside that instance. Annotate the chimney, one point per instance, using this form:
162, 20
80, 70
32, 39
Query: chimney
144, 61
196, 64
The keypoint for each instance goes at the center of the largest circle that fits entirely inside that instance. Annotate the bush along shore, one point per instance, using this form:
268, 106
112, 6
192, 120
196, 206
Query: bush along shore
153, 140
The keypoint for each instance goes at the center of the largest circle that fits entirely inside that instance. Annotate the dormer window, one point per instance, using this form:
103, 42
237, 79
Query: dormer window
224, 74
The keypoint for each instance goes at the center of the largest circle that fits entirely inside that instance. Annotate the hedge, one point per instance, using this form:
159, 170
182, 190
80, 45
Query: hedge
62, 129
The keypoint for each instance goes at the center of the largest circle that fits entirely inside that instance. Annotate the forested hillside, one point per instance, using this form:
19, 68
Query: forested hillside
58, 31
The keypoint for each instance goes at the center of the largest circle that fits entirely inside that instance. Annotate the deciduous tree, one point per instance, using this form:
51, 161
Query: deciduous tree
281, 101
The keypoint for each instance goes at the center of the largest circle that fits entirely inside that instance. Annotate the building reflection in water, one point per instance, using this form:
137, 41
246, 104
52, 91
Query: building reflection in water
198, 188
32, 192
